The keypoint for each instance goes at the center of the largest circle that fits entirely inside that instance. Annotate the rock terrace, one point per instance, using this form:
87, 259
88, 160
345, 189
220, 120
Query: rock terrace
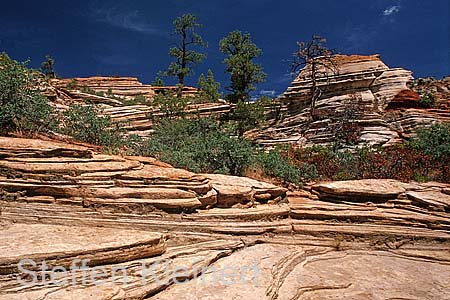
364, 239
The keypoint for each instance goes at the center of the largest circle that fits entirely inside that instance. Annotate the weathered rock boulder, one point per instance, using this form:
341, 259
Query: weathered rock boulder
359, 93
65, 172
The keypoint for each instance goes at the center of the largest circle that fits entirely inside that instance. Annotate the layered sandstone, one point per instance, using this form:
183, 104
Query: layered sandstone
123, 99
360, 91
362, 239
125, 88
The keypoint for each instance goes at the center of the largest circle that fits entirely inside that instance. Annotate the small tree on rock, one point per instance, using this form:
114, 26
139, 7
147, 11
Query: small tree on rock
157, 81
241, 52
47, 67
209, 88
185, 58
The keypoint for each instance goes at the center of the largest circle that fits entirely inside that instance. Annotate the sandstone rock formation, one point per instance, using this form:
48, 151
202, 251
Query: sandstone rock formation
125, 88
124, 99
360, 92
226, 237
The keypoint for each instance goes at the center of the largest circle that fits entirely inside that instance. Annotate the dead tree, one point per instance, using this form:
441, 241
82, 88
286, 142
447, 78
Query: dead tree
318, 62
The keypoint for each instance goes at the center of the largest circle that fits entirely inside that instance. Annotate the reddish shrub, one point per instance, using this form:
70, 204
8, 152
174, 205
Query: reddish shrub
399, 162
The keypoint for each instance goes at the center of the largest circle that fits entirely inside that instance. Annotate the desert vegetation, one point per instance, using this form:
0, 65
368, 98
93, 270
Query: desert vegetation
218, 144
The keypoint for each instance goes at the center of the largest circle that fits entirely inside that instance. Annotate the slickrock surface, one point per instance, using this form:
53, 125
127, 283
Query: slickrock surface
361, 91
227, 237
60, 245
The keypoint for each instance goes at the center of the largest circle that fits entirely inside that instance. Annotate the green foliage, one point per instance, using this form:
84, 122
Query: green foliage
73, 84
157, 81
434, 141
83, 124
140, 98
199, 145
209, 88
185, 27
246, 116
22, 107
170, 105
48, 67
109, 94
88, 90
275, 164
241, 52
427, 100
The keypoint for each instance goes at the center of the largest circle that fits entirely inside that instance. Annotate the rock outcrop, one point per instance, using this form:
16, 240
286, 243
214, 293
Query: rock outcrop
124, 99
51, 172
225, 237
124, 88
358, 94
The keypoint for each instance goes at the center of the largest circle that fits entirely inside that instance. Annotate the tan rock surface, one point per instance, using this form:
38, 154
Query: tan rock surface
364, 190
362, 239
61, 245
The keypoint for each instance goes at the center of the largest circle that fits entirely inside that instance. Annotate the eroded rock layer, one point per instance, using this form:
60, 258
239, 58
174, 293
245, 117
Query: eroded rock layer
226, 237
124, 99
357, 94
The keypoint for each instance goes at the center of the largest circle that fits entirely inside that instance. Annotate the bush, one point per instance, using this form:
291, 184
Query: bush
73, 84
401, 162
199, 145
427, 100
434, 141
139, 99
209, 88
47, 67
83, 124
157, 81
273, 163
170, 105
22, 107
246, 116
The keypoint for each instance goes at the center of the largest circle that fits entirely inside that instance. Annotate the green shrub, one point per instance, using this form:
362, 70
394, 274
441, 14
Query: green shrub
73, 84
139, 99
199, 145
48, 67
277, 165
157, 81
22, 107
427, 100
209, 88
412, 161
246, 116
434, 141
88, 90
83, 124
170, 105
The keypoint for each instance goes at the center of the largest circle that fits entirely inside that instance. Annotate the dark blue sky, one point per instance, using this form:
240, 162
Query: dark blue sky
131, 38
